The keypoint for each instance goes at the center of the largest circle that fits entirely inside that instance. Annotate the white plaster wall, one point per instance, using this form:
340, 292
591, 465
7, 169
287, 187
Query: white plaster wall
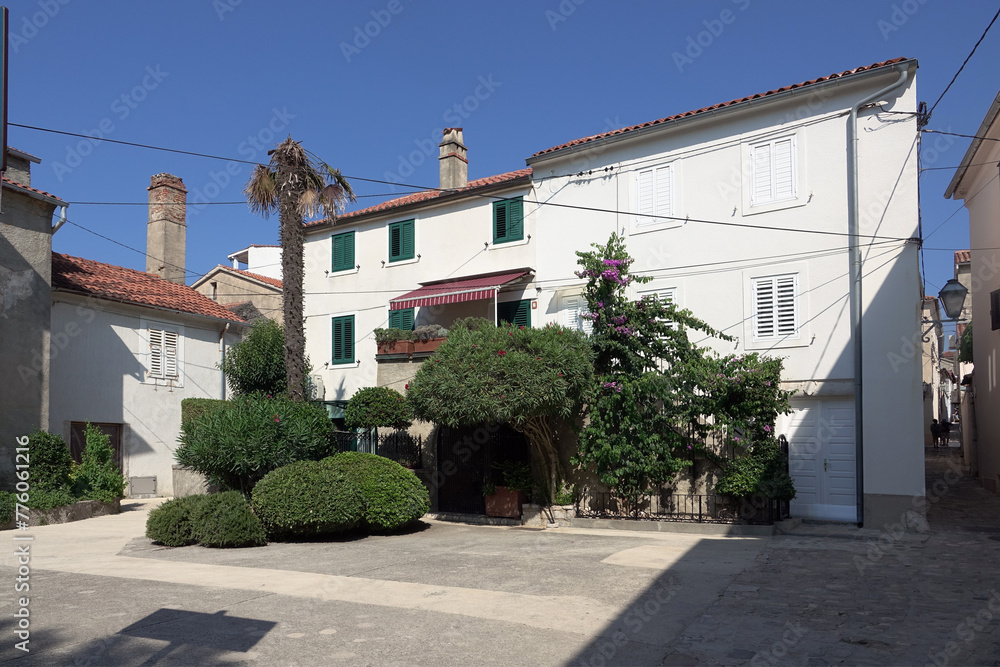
99, 358
264, 260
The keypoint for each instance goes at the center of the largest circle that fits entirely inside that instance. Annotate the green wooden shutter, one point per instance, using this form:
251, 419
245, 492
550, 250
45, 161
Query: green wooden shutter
401, 319
499, 221
343, 340
343, 252
515, 219
517, 313
401, 241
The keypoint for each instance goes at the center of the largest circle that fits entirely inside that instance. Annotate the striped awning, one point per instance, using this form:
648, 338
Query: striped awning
471, 288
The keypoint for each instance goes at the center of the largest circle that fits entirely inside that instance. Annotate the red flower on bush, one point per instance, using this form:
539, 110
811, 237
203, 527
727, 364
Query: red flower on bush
276, 419
406, 386
501, 352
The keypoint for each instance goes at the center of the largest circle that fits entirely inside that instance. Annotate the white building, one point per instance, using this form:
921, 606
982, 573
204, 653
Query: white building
976, 184
741, 214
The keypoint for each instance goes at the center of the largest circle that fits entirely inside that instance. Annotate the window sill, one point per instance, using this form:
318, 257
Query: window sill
496, 245
344, 272
401, 262
774, 206
645, 228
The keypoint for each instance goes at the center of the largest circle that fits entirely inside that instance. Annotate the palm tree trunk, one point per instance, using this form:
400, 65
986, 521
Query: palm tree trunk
290, 188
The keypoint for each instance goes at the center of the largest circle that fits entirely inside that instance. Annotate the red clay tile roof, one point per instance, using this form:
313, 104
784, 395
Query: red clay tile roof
427, 195
273, 282
963, 256
15, 184
116, 283
584, 140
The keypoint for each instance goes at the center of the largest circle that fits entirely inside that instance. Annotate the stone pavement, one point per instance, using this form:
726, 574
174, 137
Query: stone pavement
830, 595
101, 594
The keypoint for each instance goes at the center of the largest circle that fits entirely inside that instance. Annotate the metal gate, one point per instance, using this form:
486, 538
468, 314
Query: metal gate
465, 463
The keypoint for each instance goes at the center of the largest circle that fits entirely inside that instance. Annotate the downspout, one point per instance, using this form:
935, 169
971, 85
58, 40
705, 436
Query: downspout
854, 216
62, 219
222, 361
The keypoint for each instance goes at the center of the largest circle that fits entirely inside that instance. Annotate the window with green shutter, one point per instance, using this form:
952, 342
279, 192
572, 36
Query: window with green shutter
508, 220
343, 252
343, 340
517, 313
401, 244
401, 319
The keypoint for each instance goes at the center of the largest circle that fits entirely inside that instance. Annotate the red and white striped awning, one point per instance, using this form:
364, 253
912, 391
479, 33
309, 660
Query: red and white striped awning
472, 288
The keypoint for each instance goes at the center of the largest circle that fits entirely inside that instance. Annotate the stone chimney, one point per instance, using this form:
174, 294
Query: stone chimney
454, 163
166, 231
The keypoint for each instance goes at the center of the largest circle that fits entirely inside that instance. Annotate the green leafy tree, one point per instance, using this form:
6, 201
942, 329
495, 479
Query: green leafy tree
256, 364
296, 186
99, 477
647, 404
965, 345
527, 378
372, 407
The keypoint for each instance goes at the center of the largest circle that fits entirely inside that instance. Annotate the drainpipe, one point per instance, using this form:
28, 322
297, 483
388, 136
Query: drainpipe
222, 359
854, 216
62, 219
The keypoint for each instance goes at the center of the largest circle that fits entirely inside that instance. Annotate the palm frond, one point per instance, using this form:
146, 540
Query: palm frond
262, 191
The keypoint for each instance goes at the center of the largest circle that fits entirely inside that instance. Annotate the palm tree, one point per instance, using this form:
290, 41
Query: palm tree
297, 186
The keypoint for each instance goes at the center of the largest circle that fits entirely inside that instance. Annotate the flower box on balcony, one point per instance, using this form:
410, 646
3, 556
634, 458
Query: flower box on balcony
428, 345
505, 502
396, 347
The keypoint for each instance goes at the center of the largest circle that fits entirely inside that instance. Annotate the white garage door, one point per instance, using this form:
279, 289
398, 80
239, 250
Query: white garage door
821, 458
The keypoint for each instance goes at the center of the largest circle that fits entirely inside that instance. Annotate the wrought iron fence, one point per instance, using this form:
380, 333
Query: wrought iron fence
399, 446
697, 508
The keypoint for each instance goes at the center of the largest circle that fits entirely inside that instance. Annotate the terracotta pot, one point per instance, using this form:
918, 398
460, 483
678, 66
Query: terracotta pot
396, 347
427, 345
505, 502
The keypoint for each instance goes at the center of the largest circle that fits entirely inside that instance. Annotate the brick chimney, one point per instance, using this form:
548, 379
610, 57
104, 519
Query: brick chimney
454, 163
166, 231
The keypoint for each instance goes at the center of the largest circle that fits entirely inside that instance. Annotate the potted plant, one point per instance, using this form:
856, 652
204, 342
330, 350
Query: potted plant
428, 337
393, 341
506, 500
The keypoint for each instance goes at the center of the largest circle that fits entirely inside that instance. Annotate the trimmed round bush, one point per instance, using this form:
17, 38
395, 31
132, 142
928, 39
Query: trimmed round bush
372, 407
170, 523
307, 499
51, 462
393, 496
226, 520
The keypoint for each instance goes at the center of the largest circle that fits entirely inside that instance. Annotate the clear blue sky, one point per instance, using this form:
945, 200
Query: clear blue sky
208, 75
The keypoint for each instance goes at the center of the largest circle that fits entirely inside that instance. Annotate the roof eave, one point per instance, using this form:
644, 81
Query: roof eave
970, 154
428, 203
128, 302
55, 201
714, 113
233, 272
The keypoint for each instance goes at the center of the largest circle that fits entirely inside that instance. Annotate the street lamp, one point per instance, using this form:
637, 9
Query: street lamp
952, 297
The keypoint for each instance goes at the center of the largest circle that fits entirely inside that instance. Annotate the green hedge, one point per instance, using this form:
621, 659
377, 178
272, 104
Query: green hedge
225, 520
393, 496
307, 499
170, 523
7, 502
192, 408
51, 462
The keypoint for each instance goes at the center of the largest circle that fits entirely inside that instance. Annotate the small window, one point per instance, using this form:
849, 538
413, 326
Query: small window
775, 306
666, 297
654, 195
401, 244
772, 165
162, 354
994, 310
401, 319
517, 313
343, 340
343, 252
508, 220
575, 314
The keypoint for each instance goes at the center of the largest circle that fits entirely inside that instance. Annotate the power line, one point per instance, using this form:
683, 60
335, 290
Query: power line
967, 202
964, 63
209, 203
956, 134
975, 164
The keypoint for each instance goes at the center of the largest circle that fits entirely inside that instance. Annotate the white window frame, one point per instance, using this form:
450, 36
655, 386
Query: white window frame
773, 196
160, 365
752, 204
775, 283
572, 308
657, 174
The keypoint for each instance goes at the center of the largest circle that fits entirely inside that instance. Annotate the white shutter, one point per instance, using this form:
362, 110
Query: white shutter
664, 191
646, 202
170, 354
786, 306
763, 296
784, 174
156, 353
574, 307
761, 159
667, 296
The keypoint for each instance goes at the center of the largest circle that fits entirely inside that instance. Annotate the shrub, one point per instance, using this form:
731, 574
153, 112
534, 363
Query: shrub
372, 407
99, 477
392, 496
170, 523
193, 408
391, 335
237, 447
51, 462
307, 499
760, 470
257, 363
7, 503
225, 520
46, 499
429, 331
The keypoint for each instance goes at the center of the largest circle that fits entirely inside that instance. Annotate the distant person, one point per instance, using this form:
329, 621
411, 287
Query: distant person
946, 433
935, 432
